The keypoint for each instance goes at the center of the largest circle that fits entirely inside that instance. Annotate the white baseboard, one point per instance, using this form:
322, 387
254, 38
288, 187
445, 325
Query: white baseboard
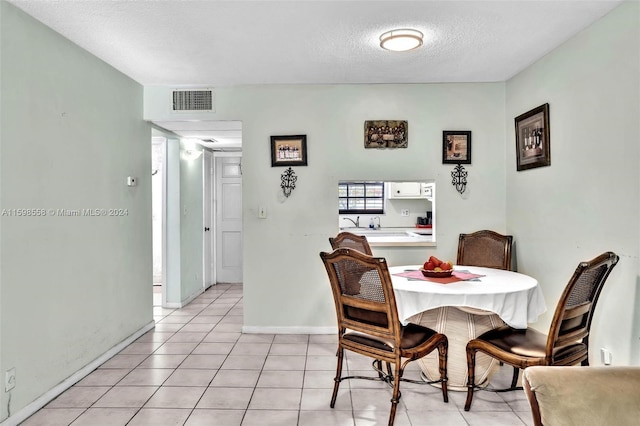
178, 305
252, 329
51, 394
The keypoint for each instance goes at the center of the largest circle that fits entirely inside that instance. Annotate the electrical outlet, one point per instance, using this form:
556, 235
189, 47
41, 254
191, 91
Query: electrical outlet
9, 379
404, 212
605, 355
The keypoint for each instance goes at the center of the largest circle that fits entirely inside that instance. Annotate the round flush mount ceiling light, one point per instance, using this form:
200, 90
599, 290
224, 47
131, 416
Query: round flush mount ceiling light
401, 40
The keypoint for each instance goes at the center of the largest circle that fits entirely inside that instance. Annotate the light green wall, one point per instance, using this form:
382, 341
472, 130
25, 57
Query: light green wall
173, 264
284, 281
587, 201
184, 224
191, 227
72, 131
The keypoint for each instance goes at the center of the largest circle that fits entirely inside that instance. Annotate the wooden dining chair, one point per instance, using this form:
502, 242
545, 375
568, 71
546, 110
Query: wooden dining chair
349, 240
567, 342
371, 318
485, 248
488, 249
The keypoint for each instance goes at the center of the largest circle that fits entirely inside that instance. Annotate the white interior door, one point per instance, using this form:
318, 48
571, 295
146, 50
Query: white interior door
208, 239
228, 233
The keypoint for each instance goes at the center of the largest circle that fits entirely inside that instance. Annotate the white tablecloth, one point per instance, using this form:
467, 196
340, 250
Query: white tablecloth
465, 309
516, 298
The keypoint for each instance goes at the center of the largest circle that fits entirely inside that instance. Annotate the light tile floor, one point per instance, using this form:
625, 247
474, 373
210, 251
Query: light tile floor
197, 368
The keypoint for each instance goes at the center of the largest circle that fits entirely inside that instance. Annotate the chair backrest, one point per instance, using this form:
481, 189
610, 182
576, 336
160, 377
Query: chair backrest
485, 248
349, 240
572, 318
363, 293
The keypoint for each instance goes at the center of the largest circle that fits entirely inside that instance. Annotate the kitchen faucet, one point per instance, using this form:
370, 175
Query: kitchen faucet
378, 217
355, 222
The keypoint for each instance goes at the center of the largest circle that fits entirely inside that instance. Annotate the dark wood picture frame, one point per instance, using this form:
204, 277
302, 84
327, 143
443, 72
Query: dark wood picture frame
456, 147
288, 150
533, 148
386, 133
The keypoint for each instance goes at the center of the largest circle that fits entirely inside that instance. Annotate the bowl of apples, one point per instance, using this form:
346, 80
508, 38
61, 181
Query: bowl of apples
436, 268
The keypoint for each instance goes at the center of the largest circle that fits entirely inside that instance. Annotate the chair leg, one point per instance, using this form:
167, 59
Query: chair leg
442, 366
336, 380
389, 372
396, 393
471, 367
514, 379
379, 367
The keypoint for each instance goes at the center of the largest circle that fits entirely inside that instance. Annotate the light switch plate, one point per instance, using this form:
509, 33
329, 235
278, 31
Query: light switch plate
262, 212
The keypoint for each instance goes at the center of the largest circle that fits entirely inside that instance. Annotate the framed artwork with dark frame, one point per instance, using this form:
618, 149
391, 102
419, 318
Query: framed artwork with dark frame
289, 150
386, 134
532, 138
456, 147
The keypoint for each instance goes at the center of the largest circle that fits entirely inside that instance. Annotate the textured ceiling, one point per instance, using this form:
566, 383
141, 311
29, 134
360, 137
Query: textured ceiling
254, 42
215, 43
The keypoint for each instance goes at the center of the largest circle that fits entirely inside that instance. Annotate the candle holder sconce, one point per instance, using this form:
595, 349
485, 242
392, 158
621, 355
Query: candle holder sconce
459, 178
288, 181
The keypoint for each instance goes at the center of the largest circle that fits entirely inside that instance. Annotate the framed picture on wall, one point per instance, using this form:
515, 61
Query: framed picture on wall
456, 147
289, 150
532, 138
386, 134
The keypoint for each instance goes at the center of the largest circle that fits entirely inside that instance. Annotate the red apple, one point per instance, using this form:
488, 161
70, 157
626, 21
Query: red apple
435, 260
429, 266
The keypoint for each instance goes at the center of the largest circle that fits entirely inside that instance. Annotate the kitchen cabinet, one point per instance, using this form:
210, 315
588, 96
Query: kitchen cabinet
410, 190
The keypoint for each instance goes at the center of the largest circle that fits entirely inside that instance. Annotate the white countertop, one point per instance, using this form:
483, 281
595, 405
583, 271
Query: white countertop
394, 237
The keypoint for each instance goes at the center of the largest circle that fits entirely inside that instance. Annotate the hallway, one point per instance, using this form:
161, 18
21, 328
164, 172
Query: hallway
197, 368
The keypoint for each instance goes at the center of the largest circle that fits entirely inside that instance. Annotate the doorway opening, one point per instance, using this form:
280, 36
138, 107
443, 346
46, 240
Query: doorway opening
221, 204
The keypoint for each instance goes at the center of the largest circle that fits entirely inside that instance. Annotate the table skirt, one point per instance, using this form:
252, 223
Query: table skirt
459, 324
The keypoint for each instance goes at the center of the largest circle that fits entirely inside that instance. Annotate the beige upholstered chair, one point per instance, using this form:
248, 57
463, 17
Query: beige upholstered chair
567, 342
608, 395
349, 240
366, 307
485, 248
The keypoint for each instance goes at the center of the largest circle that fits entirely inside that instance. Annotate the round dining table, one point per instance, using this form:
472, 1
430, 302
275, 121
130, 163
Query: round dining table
470, 302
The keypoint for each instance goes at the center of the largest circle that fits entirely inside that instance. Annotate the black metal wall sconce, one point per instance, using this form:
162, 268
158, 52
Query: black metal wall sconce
288, 181
459, 178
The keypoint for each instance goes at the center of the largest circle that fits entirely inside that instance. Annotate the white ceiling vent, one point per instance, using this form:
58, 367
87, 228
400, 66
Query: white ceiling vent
192, 100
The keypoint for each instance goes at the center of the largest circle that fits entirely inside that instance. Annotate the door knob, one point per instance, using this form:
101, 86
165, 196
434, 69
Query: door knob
206, 228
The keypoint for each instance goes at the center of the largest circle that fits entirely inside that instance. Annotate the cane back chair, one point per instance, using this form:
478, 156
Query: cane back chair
368, 322
488, 249
567, 342
349, 240
485, 248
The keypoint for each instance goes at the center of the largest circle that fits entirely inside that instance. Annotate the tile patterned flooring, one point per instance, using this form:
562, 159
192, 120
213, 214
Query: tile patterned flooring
196, 368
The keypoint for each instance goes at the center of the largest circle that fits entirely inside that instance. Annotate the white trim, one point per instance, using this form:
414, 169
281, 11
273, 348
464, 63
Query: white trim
288, 330
52, 393
208, 178
182, 304
164, 221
